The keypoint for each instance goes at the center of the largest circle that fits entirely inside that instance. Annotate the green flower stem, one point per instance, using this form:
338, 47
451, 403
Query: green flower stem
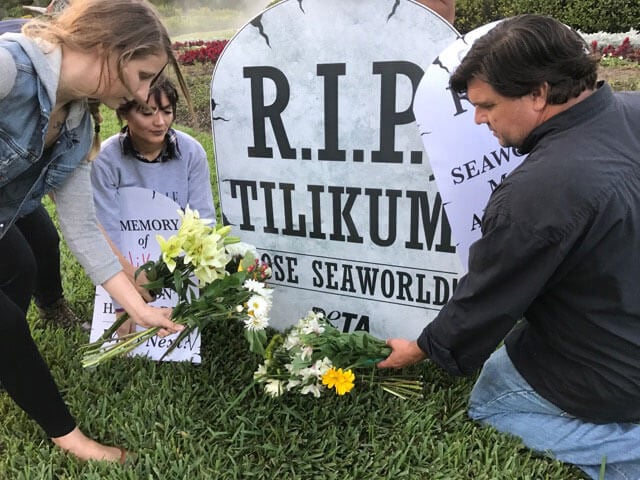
108, 333
122, 346
190, 315
393, 392
402, 388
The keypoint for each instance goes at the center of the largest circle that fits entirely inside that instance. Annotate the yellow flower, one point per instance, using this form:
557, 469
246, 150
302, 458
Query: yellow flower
192, 225
171, 249
208, 257
341, 380
225, 230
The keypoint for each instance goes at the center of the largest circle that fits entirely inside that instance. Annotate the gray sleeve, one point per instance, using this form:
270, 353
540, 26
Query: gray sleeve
8, 73
200, 195
104, 185
79, 226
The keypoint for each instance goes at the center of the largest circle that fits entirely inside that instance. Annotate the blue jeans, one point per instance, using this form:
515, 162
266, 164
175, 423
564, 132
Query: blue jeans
503, 399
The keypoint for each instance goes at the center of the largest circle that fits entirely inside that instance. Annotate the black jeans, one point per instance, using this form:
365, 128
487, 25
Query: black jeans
41, 234
23, 372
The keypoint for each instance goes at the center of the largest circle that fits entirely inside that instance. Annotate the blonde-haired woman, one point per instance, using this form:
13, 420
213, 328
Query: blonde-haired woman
106, 51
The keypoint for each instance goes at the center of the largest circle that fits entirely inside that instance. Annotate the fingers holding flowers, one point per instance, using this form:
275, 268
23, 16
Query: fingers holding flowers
315, 357
127, 325
215, 278
404, 353
159, 318
140, 281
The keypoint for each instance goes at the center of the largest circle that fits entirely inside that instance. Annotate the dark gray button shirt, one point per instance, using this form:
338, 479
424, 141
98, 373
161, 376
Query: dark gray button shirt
561, 248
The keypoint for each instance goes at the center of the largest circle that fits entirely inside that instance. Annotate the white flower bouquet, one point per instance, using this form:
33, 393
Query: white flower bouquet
230, 286
315, 357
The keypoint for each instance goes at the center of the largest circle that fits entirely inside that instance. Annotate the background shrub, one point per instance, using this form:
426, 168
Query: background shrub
585, 15
201, 19
602, 15
471, 14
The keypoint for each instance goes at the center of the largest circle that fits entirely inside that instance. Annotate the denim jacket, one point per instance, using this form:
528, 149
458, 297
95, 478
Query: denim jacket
26, 174
29, 73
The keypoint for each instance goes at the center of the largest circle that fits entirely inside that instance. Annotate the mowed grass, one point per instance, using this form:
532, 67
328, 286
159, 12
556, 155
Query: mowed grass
209, 421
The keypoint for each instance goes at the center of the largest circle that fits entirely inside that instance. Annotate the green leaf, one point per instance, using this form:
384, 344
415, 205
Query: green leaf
247, 261
257, 340
183, 334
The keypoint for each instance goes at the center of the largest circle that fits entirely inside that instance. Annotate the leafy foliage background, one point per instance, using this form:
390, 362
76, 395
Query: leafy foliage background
585, 15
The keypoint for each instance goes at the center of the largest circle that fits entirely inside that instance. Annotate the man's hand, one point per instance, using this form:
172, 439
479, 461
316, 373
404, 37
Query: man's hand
404, 353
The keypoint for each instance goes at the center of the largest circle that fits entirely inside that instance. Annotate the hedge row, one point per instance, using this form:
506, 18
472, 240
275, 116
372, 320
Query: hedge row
589, 16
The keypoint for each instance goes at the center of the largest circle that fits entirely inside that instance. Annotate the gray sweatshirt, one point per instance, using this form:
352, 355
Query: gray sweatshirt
184, 178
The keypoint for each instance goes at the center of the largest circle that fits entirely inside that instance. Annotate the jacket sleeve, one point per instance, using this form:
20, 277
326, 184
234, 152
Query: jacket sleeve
79, 226
508, 268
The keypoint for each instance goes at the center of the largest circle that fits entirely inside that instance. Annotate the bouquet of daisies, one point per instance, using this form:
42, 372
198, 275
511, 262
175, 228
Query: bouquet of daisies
216, 278
315, 357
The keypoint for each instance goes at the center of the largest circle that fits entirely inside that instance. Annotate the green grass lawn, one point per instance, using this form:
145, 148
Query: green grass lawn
208, 421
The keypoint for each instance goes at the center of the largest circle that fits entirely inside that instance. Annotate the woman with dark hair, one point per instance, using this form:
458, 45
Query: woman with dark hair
148, 153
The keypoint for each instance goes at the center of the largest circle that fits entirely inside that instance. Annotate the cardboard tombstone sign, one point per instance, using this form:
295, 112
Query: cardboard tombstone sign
320, 164
144, 214
466, 158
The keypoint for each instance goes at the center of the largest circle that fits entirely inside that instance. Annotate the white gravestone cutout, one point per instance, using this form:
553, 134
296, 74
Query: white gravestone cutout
320, 164
467, 160
144, 214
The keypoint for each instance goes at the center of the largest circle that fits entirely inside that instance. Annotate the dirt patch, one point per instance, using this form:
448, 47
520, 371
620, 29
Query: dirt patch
625, 77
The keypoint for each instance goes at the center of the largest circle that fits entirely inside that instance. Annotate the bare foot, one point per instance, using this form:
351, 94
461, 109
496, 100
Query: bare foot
81, 446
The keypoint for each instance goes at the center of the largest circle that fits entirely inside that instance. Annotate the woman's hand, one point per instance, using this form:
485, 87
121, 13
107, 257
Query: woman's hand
122, 291
129, 270
157, 317
127, 327
138, 284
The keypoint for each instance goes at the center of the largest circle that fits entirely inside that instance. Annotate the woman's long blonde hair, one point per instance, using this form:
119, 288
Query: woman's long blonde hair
128, 29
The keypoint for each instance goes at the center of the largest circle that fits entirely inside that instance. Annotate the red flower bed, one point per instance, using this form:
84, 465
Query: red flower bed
625, 50
200, 51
